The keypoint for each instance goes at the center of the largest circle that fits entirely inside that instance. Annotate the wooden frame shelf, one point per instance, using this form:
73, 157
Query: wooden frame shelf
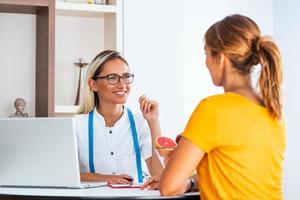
45, 31
46, 12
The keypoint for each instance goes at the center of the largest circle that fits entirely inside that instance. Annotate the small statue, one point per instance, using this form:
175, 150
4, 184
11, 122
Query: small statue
80, 64
20, 106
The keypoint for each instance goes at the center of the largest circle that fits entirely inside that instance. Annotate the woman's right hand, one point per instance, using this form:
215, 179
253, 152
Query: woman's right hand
118, 179
113, 179
149, 108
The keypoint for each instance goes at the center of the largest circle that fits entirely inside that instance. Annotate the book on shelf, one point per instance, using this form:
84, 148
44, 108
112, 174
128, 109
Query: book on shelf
102, 2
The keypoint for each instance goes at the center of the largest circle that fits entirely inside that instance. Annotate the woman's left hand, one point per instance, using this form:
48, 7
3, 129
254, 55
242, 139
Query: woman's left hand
149, 108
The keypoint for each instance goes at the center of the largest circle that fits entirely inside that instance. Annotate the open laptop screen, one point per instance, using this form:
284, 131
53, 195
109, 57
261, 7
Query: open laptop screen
40, 152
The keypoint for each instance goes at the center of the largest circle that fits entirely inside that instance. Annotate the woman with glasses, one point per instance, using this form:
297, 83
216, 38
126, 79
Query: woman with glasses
235, 140
112, 141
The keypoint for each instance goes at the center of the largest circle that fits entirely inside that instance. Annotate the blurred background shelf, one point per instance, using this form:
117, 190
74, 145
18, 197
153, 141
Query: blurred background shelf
88, 10
65, 109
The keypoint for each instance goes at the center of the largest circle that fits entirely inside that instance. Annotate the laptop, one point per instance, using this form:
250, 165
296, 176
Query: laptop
39, 152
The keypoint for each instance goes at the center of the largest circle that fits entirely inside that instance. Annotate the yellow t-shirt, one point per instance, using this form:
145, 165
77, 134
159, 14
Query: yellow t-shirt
244, 149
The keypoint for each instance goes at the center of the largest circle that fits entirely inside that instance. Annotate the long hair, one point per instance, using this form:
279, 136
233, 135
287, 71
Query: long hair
239, 39
90, 98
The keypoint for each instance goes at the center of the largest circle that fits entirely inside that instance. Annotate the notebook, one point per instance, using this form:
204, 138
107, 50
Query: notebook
133, 185
39, 152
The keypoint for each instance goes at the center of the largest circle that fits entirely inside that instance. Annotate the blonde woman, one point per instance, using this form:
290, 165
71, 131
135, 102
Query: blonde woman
112, 141
236, 140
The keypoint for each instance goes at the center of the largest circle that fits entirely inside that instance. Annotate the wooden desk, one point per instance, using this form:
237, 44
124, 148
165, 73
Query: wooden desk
92, 193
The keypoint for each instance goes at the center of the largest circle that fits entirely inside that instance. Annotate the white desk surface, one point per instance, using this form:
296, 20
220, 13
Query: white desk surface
104, 191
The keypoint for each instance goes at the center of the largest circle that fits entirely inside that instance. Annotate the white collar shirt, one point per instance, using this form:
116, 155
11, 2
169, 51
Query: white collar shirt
113, 146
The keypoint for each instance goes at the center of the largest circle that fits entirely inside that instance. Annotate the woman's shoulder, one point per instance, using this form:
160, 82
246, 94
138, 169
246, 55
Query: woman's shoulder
231, 104
218, 97
219, 103
137, 115
80, 117
139, 120
223, 99
213, 100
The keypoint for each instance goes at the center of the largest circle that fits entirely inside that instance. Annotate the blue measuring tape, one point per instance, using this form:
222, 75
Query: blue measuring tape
136, 146
91, 141
134, 138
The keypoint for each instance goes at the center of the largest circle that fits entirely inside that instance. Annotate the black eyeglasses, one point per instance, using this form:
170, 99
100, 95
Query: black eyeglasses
114, 79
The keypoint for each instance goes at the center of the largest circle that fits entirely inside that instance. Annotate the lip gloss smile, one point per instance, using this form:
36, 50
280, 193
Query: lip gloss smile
123, 93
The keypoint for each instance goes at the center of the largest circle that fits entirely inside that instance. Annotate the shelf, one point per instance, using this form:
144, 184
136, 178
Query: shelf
62, 109
45, 31
102, 25
80, 9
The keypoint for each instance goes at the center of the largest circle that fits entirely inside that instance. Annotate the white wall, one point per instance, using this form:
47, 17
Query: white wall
17, 62
198, 17
153, 46
163, 42
287, 32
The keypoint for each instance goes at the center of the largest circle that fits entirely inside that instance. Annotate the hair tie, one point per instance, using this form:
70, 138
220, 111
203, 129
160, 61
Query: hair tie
254, 58
258, 44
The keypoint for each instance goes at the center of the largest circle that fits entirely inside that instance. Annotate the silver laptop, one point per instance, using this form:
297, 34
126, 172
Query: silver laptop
39, 152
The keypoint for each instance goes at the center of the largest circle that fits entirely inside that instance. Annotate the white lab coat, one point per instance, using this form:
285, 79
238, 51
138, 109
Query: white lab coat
113, 146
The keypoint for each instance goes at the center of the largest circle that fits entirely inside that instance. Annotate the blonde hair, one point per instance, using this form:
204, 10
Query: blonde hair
239, 39
90, 98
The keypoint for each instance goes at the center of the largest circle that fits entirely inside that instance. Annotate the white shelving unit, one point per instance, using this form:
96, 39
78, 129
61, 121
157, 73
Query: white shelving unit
86, 10
65, 8
66, 109
107, 35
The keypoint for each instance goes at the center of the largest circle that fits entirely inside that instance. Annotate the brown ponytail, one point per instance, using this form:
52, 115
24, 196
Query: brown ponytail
271, 75
239, 38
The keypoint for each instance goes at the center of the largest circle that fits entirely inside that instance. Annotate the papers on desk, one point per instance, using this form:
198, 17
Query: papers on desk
130, 185
86, 185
